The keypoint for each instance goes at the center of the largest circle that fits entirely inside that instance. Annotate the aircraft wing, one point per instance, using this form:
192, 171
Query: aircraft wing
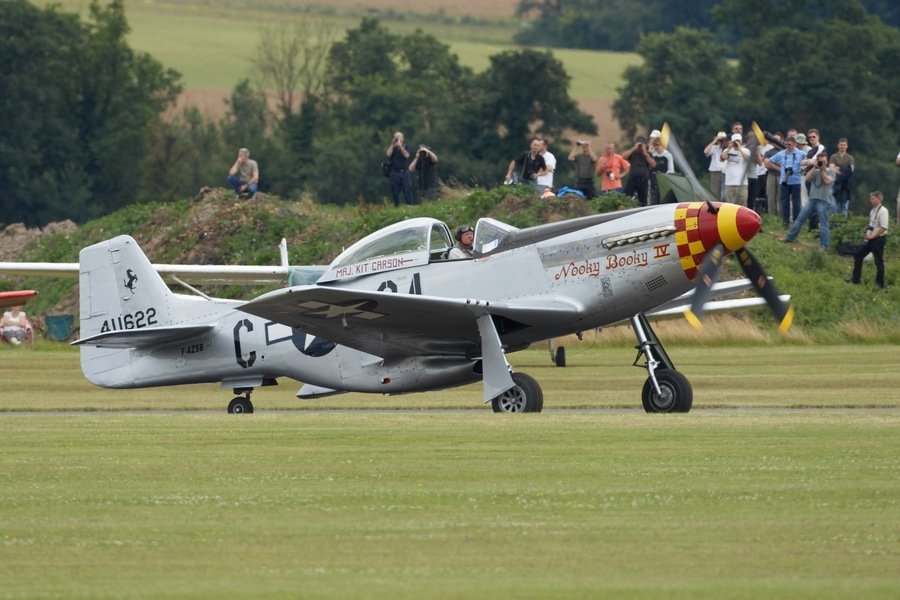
147, 337
17, 298
235, 274
388, 325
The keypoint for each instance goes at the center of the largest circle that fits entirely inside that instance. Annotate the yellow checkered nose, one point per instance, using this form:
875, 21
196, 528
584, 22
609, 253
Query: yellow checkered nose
697, 230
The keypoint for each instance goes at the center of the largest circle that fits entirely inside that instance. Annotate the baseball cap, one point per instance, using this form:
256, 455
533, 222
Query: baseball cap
801, 138
736, 137
655, 133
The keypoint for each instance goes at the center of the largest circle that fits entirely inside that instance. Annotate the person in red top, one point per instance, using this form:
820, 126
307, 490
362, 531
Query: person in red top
611, 168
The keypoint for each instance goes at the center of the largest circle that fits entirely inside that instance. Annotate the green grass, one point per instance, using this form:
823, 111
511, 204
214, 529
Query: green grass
597, 375
717, 503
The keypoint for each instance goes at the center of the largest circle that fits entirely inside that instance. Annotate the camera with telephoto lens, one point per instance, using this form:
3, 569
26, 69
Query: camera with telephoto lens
788, 171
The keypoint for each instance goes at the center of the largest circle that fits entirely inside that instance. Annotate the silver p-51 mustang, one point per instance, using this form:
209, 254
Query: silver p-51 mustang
392, 314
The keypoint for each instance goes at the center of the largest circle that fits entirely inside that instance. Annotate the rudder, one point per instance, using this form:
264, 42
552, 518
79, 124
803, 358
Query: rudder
120, 289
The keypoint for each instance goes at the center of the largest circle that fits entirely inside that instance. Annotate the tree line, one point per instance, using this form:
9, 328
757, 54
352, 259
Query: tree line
620, 24
90, 133
90, 125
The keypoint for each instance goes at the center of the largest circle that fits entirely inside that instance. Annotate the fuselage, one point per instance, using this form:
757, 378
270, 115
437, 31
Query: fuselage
604, 269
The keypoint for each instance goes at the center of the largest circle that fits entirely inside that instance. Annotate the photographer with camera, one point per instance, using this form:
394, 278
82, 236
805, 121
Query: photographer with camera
584, 158
736, 158
398, 153
639, 175
714, 151
820, 178
875, 240
787, 164
612, 168
526, 167
424, 165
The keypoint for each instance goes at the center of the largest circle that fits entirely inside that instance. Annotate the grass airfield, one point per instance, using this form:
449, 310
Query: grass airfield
783, 482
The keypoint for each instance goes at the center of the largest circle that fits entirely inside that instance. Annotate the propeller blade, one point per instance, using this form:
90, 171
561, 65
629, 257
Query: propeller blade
709, 272
783, 312
664, 135
758, 132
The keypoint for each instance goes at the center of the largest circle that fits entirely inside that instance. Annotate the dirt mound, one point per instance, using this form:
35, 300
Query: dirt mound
16, 237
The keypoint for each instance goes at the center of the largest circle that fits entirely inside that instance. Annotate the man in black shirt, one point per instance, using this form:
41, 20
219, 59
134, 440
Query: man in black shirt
639, 175
526, 167
398, 153
424, 164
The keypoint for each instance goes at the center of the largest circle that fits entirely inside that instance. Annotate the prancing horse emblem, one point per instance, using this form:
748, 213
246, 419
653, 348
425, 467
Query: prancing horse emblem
129, 283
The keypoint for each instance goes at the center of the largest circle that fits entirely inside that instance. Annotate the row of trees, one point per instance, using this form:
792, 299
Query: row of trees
88, 129
79, 107
619, 24
91, 132
835, 69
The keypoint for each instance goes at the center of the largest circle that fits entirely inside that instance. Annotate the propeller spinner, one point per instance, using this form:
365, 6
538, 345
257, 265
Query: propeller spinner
706, 233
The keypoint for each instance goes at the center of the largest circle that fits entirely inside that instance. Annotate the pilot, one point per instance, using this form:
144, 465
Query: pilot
465, 235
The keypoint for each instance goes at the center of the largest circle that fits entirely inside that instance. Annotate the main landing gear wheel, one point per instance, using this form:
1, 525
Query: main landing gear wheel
525, 396
240, 405
677, 394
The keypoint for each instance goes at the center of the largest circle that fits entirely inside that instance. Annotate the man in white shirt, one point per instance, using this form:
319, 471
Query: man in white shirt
545, 177
716, 167
736, 158
875, 240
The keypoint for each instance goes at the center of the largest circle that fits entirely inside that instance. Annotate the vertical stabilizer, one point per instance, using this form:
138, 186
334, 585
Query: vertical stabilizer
120, 289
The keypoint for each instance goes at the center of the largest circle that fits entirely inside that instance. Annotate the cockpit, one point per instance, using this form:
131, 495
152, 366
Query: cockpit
410, 243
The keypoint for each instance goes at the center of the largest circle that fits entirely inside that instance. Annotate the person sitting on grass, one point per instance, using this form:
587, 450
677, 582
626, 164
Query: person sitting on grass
15, 326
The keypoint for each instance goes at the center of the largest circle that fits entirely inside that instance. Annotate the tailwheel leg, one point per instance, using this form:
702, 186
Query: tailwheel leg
666, 389
240, 404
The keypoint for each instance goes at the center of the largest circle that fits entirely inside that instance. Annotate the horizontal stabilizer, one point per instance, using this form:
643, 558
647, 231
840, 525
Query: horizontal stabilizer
146, 337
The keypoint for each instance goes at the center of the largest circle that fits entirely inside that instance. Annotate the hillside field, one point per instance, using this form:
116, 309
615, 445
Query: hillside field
212, 44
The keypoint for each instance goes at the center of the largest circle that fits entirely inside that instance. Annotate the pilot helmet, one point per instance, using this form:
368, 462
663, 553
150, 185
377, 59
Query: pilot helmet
461, 230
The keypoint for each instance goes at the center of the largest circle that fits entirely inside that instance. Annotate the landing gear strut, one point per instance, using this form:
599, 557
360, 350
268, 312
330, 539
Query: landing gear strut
666, 390
241, 404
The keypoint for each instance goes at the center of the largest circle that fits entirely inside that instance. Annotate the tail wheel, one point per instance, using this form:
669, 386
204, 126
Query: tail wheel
677, 394
524, 396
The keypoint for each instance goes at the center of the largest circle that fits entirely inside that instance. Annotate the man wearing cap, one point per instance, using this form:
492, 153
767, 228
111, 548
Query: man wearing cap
736, 158
714, 151
665, 163
639, 175
243, 175
787, 164
465, 236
